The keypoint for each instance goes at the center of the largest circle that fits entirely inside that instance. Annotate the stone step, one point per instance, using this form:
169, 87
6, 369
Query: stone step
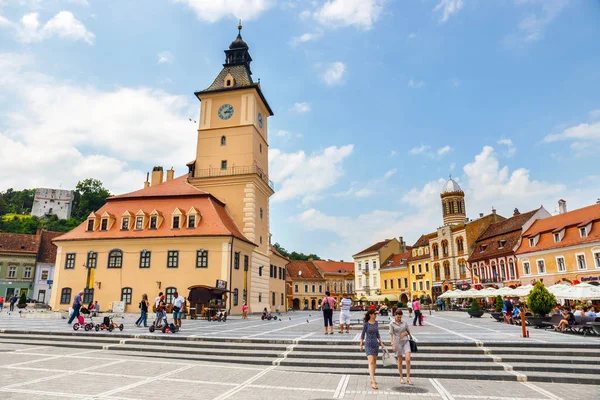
416, 364
565, 368
560, 377
543, 351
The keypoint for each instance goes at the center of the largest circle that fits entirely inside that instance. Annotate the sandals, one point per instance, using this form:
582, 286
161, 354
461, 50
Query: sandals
402, 381
374, 385
409, 381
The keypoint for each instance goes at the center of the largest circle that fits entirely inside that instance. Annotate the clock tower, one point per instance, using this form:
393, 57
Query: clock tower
232, 157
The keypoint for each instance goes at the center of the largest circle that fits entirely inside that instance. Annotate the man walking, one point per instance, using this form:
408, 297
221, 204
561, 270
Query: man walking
77, 303
13, 300
345, 305
1, 303
178, 302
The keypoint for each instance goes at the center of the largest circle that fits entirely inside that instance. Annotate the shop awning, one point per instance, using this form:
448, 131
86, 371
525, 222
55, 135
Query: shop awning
380, 298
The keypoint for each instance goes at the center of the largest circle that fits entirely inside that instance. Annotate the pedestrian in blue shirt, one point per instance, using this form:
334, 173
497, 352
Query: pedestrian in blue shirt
77, 303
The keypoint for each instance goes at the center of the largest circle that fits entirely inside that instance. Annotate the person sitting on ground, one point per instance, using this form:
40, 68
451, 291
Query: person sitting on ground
96, 308
508, 310
516, 313
90, 306
568, 319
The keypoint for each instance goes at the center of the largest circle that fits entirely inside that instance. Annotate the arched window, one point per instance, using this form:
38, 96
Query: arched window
65, 296
126, 295
446, 270
445, 247
170, 292
228, 83
460, 207
511, 269
502, 270
460, 244
223, 141
436, 269
436, 250
115, 259
235, 296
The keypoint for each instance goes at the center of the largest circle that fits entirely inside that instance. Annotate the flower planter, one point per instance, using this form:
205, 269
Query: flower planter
476, 314
537, 321
498, 316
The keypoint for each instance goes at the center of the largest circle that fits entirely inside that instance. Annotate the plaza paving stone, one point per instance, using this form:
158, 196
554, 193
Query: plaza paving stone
41, 371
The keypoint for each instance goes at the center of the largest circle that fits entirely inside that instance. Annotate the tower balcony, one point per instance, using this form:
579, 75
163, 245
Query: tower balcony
234, 170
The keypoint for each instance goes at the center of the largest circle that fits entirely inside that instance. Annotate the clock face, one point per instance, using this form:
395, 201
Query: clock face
226, 111
260, 120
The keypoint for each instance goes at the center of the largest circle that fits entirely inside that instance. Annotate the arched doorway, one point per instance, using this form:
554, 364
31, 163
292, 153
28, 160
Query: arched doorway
403, 298
446, 287
313, 304
296, 304
305, 304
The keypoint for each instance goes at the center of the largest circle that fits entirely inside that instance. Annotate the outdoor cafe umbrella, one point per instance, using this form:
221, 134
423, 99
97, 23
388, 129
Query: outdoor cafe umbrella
448, 294
505, 291
467, 294
522, 291
488, 292
558, 288
582, 291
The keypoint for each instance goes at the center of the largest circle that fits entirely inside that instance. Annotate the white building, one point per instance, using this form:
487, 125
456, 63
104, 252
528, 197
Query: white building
44, 270
52, 201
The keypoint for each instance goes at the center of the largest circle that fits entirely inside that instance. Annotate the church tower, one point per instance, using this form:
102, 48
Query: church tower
232, 157
453, 203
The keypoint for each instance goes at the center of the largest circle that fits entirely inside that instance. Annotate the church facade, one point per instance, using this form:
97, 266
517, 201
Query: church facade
206, 227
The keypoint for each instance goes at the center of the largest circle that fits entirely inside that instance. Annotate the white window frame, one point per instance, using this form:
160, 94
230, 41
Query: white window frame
557, 237
531, 242
584, 261
12, 272
537, 264
583, 232
596, 255
558, 264
27, 272
528, 267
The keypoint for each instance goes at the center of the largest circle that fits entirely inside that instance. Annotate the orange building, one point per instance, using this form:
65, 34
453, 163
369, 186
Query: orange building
339, 277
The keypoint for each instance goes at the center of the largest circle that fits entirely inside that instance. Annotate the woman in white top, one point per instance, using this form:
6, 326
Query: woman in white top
399, 335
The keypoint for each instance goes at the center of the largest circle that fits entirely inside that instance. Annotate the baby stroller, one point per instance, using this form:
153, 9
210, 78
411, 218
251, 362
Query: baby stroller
109, 325
220, 317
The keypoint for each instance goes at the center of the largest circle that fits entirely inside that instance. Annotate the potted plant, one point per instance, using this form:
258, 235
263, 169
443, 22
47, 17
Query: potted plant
540, 302
475, 309
497, 315
22, 301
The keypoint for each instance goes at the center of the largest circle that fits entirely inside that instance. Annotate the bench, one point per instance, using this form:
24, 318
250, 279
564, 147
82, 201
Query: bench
556, 318
584, 324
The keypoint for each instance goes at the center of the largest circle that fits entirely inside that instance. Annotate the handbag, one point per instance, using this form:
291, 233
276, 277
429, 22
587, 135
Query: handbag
413, 344
387, 359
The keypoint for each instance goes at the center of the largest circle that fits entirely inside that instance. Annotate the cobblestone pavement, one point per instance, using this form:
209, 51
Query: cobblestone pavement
439, 326
38, 372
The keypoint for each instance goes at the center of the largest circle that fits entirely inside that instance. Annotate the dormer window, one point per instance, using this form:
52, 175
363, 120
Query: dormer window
104, 224
125, 223
139, 223
501, 244
482, 248
583, 232
153, 219
192, 221
90, 226
556, 237
176, 222
228, 83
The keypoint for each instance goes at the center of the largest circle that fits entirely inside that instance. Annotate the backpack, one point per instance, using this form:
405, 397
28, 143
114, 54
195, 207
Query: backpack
326, 306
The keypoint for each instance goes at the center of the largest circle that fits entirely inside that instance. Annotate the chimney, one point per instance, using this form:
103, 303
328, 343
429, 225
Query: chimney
493, 211
147, 183
170, 174
516, 212
402, 244
562, 206
157, 175
480, 215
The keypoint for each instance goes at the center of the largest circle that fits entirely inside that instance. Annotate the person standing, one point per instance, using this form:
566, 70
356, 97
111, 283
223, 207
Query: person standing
417, 309
399, 335
327, 305
77, 303
1, 303
371, 341
439, 304
178, 303
244, 311
409, 305
143, 312
13, 300
345, 305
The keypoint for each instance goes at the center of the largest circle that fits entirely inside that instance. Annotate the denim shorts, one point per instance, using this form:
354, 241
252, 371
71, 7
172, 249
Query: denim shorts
177, 315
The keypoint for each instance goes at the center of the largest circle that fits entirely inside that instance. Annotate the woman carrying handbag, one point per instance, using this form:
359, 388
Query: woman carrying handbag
399, 336
371, 340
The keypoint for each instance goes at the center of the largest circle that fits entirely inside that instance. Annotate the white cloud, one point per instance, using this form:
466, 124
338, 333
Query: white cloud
305, 14
390, 173
287, 135
72, 131
595, 114
306, 177
334, 73
165, 57
420, 149
511, 149
360, 13
306, 37
215, 10
415, 84
589, 132
393, 153
412, 35
83, 3
301, 107
532, 27
63, 25
364, 192
443, 150
448, 7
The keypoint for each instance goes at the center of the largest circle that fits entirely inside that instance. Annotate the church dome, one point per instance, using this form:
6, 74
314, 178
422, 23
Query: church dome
238, 43
451, 187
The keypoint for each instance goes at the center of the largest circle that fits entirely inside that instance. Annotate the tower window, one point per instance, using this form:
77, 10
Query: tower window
261, 213
223, 164
223, 141
260, 147
228, 83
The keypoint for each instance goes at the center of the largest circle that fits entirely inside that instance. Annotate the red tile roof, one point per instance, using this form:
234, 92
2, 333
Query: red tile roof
303, 270
376, 247
19, 243
514, 223
47, 253
568, 221
274, 250
397, 260
165, 198
331, 267
422, 242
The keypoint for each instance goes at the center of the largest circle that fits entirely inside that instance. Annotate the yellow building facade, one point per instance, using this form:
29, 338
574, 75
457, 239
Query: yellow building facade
207, 226
367, 265
420, 270
395, 277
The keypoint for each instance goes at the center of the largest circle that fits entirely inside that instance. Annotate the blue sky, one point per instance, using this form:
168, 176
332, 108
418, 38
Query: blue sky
375, 101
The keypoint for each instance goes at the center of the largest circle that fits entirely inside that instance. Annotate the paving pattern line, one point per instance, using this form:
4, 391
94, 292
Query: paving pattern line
244, 384
542, 391
476, 396
340, 391
451, 331
277, 330
289, 388
390, 393
489, 329
143, 382
441, 389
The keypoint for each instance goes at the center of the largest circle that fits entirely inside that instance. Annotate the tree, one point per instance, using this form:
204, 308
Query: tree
294, 255
499, 303
90, 195
540, 301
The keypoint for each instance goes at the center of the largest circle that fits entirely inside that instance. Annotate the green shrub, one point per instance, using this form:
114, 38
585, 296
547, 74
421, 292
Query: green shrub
23, 299
386, 301
540, 300
499, 303
475, 306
